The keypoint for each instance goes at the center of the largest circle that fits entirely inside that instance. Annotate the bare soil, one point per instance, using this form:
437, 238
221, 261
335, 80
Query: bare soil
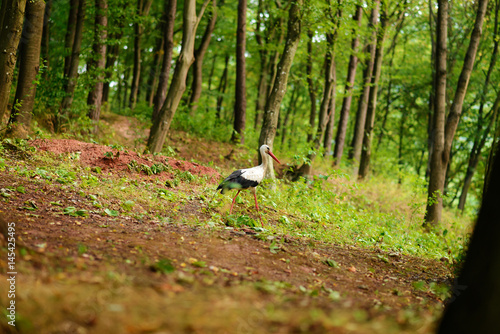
99, 274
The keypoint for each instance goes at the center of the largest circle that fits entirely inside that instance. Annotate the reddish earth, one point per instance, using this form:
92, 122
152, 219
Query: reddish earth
220, 275
93, 155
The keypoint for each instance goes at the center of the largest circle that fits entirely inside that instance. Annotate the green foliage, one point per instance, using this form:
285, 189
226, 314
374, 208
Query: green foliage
163, 266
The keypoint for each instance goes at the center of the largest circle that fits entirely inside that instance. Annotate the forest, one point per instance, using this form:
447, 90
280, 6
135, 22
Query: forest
384, 112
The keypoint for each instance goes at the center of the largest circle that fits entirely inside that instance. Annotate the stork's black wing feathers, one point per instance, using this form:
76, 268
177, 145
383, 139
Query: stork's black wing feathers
236, 181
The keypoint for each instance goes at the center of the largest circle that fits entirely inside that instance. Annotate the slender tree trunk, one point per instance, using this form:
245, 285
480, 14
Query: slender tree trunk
46, 37
171, 7
479, 143
310, 86
240, 104
29, 57
430, 123
155, 66
404, 116
262, 90
475, 154
389, 96
69, 38
364, 163
475, 302
346, 103
199, 55
94, 99
112, 56
291, 106
72, 78
273, 103
445, 130
359, 126
327, 144
222, 88
161, 124
143, 7
9, 40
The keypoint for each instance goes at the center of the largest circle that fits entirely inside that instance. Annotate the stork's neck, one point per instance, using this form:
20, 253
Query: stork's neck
265, 159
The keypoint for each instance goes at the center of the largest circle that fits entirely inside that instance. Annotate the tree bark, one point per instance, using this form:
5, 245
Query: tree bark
222, 89
444, 131
359, 126
98, 64
364, 163
9, 40
346, 103
29, 61
70, 34
240, 103
479, 143
72, 78
475, 302
167, 58
272, 108
199, 55
310, 86
45, 49
327, 144
475, 154
143, 7
273, 35
161, 124
155, 66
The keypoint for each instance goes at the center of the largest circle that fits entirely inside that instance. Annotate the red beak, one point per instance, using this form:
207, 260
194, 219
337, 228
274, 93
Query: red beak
273, 156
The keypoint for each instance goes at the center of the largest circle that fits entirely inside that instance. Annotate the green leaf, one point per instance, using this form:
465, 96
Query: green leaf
112, 213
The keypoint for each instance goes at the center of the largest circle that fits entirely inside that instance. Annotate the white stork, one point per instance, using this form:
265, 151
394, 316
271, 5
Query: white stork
248, 178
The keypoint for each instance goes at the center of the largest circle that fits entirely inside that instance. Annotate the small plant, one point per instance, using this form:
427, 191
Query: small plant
163, 266
74, 212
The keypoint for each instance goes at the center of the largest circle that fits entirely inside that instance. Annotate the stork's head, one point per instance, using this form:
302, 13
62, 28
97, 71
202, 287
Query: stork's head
264, 149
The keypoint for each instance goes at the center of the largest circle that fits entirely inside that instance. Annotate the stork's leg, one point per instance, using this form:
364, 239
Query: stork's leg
234, 199
257, 205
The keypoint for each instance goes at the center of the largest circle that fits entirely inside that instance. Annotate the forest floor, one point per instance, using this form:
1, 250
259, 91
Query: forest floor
166, 268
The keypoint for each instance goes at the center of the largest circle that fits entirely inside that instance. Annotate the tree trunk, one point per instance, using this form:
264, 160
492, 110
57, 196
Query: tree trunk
155, 66
222, 89
479, 143
29, 58
168, 35
143, 7
199, 55
364, 163
291, 107
327, 144
346, 103
94, 99
359, 126
445, 130
240, 103
432, 98
69, 38
72, 77
10, 35
475, 302
46, 37
273, 103
475, 154
310, 86
161, 124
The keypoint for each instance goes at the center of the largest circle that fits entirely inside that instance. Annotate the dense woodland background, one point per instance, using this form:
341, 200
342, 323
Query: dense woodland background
397, 88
